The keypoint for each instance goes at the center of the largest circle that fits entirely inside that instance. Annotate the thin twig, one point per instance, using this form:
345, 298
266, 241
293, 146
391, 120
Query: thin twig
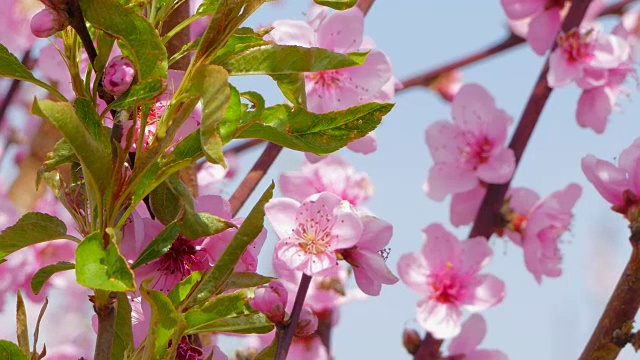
106, 313
286, 336
254, 176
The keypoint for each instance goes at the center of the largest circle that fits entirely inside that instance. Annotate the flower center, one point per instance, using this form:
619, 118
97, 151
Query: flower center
181, 259
477, 151
325, 79
186, 351
313, 233
576, 47
446, 287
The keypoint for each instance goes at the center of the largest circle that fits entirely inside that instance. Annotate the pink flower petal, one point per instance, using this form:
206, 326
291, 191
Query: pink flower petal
449, 178
470, 106
471, 335
487, 291
465, 205
440, 248
543, 30
342, 31
594, 107
609, 180
499, 168
442, 320
292, 32
476, 253
365, 145
519, 9
444, 139
561, 72
282, 215
413, 272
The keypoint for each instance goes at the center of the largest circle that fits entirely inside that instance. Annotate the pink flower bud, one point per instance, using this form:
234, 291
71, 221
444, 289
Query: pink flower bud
118, 75
48, 22
307, 323
411, 340
271, 300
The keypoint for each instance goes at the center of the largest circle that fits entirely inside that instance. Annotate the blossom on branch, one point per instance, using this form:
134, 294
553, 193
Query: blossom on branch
471, 150
445, 272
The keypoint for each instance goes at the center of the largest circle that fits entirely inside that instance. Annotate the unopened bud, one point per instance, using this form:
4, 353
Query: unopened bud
48, 22
411, 340
271, 300
118, 75
307, 323
448, 84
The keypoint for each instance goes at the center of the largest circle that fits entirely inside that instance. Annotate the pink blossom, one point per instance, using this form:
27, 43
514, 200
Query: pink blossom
471, 150
185, 256
619, 185
465, 205
307, 323
537, 224
629, 30
366, 257
331, 90
310, 232
539, 21
271, 299
332, 174
471, 335
585, 56
118, 75
445, 272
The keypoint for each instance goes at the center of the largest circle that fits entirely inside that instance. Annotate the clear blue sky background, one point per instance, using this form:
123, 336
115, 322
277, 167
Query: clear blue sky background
548, 321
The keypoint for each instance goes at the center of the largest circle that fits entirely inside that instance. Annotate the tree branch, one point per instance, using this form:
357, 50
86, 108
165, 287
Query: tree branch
106, 312
286, 333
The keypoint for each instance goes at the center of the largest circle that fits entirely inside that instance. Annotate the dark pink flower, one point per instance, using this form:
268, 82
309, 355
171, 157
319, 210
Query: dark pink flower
118, 75
271, 299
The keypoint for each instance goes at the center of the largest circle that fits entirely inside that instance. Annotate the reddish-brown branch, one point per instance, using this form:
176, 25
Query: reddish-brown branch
254, 176
246, 145
427, 79
365, 5
488, 216
614, 328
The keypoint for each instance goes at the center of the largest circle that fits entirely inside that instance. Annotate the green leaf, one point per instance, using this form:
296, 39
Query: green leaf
12, 68
337, 4
229, 123
285, 59
170, 199
62, 154
158, 246
123, 335
228, 313
196, 225
139, 93
215, 97
32, 228
292, 87
182, 289
100, 268
10, 351
214, 279
207, 7
141, 39
162, 325
242, 39
22, 330
243, 280
239, 118
41, 276
88, 139
320, 134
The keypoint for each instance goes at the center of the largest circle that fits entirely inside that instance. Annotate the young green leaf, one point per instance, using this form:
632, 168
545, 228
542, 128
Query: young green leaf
32, 228
11, 351
337, 4
243, 280
22, 330
227, 313
196, 225
41, 276
285, 59
139, 93
164, 323
320, 134
242, 39
89, 140
100, 268
158, 246
180, 291
214, 87
292, 87
170, 199
123, 335
213, 280
62, 154
140, 37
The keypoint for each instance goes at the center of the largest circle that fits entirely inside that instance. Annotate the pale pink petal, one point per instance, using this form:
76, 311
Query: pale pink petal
342, 31
610, 51
471, 105
476, 253
322, 99
449, 178
440, 248
486, 292
522, 199
486, 355
292, 32
291, 254
413, 272
519, 9
594, 107
465, 206
543, 30
214, 205
319, 264
371, 76
444, 140
441, 320
630, 161
347, 229
372, 272
376, 233
532, 254
608, 180
282, 215
499, 168
471, 335
561, 72
365, 145
296, 186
